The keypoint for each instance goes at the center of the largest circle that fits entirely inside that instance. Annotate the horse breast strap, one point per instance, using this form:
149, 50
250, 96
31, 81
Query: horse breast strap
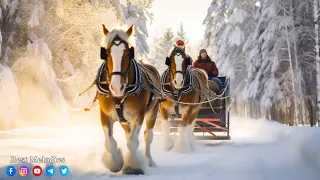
168, 88
176, 94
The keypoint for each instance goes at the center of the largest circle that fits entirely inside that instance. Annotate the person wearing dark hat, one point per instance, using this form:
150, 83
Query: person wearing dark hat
204, 62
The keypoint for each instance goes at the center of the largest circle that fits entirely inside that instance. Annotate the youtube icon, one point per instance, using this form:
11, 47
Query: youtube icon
37, 171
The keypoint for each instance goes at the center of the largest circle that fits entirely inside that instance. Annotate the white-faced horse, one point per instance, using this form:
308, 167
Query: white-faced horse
183, 85
125, 95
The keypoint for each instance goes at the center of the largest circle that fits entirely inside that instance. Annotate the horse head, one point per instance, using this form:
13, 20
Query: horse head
178, 63
116, 49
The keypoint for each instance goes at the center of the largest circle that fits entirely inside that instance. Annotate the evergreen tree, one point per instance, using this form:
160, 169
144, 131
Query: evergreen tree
161, 47
138, 13
168, 36
181, 34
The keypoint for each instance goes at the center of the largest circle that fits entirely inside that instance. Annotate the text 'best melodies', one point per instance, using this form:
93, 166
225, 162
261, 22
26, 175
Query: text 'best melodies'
37, 159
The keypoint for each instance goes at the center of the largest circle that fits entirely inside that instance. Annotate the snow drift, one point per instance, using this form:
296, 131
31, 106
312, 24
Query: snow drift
259, 149
9, 96
302, 139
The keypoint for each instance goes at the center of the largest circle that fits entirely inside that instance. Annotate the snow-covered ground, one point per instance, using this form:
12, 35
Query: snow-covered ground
259, 150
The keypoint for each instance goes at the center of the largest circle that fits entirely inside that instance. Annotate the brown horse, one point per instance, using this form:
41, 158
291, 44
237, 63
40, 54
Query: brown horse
125, 94
186, 85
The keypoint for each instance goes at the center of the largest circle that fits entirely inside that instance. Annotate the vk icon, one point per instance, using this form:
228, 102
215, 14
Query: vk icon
64, 170
50, 170
11, 171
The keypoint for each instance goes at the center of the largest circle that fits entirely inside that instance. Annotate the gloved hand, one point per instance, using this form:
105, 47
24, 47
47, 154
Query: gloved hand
210, 74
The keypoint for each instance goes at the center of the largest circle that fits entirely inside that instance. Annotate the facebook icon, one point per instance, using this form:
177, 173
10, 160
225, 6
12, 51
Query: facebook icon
11, 171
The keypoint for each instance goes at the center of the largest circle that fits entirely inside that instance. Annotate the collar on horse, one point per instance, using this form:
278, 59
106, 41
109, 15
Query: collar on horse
175, 93
169, 89
103, 86
131, 89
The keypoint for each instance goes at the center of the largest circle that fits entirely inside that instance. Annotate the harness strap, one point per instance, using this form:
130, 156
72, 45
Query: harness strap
153, 88
176, 96
119, 103
119, 108
150, 98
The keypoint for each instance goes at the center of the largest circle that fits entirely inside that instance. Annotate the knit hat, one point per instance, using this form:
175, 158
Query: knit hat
180, 42
203, 50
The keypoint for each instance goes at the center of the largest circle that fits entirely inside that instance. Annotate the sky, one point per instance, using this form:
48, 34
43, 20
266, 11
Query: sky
170, 13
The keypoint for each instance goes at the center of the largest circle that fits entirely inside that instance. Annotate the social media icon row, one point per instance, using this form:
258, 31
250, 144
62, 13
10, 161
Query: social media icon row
37, 171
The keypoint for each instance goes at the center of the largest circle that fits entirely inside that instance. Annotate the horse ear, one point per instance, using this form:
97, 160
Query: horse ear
130, 31
168, 61
104, 30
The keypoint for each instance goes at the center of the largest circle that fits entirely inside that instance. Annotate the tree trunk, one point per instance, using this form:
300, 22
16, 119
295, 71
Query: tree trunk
311, 118
316, 31
299, 79
297, 68
246, 111
291, 115
251, 109
296, 120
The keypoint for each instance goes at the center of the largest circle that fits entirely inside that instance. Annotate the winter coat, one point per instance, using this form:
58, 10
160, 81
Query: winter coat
208, 65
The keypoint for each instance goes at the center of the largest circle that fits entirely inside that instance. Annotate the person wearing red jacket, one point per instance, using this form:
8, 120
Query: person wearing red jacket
204, 62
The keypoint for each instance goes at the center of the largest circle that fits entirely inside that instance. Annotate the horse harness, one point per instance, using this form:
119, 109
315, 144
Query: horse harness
177, 93
130, 90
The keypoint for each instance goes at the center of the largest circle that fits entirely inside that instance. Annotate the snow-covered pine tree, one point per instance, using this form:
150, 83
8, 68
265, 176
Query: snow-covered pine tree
269, 80
214, 21
9, 94
33, 68
161, 47
304, 27
229, 25
77, 56
157, 54
138, 13
9, 24
167, 41
181, 34
299, 79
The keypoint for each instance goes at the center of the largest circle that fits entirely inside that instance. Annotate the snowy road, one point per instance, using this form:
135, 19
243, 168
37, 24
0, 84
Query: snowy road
257, 151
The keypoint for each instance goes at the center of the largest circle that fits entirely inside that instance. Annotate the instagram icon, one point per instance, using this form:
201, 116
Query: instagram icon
23, 171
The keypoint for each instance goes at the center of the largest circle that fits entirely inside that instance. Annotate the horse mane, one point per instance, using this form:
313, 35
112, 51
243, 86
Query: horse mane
108, 39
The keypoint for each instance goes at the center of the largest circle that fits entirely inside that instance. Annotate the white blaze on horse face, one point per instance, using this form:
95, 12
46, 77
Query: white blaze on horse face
116, 87
178, 81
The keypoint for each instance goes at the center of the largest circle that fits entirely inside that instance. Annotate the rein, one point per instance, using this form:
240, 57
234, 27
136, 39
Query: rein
209, 99
163, 95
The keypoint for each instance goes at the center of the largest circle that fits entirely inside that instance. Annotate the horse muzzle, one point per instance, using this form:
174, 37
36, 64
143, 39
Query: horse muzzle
117, 89
178, 84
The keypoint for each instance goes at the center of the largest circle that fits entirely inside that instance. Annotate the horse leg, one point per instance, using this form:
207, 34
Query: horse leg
127, 129
168, 143
182, 144
112, 157
148, 133
190, 128
134, 162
